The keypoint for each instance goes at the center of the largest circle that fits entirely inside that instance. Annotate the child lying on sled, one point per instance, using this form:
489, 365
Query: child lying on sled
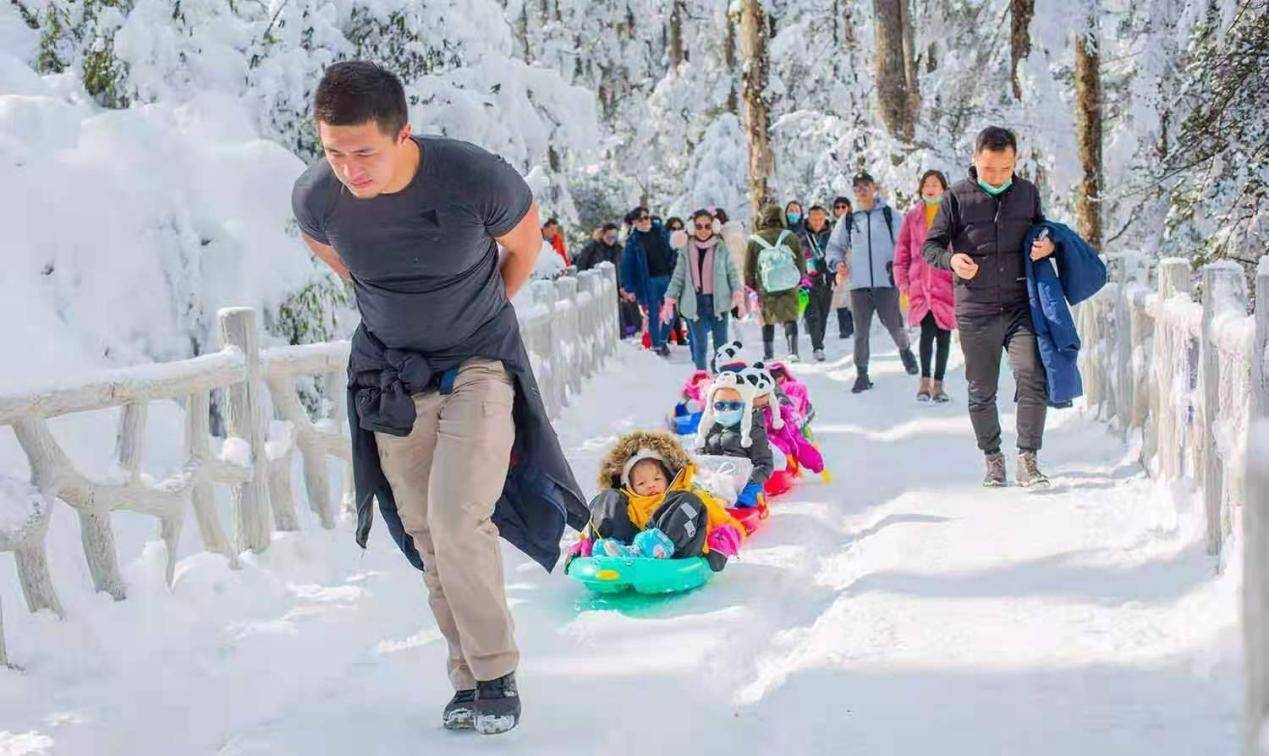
650, 507
732, 426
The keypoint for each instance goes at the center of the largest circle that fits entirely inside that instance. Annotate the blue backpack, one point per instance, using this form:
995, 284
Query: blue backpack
777, 266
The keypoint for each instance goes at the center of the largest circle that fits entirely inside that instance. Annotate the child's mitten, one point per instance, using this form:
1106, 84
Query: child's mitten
724, 539
749, 496
654, 544
613, 548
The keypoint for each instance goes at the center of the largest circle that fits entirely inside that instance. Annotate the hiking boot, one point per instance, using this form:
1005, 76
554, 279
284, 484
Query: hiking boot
460, 712
862, 383
768, 350
995, 477
924, 393
1029, 474
938, 394
497, 705
663, 350
819, 355
909, 361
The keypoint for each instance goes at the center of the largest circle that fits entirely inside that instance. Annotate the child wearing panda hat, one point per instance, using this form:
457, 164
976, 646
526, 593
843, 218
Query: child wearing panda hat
732, 426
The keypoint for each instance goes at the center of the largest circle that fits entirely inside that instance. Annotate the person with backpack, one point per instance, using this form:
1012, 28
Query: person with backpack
775, 268
814, 237
861, 251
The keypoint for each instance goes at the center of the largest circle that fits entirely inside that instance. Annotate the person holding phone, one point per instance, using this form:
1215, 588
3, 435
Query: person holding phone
978, 234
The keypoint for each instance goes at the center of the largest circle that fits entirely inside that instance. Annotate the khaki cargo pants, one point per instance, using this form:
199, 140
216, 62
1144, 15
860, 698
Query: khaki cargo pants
446, 476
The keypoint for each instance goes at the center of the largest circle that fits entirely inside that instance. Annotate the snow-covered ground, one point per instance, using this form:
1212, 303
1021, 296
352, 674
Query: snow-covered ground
900, 609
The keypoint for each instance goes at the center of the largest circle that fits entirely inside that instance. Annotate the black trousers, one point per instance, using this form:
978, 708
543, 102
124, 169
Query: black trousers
931, 334
983, 338
817, 310
682, 517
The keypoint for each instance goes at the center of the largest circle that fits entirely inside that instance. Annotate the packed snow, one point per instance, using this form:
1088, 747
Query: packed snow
898, 609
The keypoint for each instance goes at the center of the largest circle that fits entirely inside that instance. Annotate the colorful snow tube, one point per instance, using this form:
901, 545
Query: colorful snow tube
750, 518
605, 574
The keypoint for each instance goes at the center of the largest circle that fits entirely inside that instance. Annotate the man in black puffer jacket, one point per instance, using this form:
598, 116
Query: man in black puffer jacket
978, 235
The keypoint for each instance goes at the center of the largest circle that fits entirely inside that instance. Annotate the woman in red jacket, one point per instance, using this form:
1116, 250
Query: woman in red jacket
929, 290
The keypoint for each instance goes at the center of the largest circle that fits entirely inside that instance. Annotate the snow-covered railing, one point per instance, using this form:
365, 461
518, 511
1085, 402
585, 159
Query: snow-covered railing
1193, 379
569, 330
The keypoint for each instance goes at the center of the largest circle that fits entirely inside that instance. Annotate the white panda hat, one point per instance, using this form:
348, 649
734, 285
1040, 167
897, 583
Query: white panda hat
729, 380
759, 377
727, 354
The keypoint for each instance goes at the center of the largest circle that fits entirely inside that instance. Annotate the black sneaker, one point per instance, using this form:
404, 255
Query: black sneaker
909, 361
862, 383
995, 477
497, 705
663, 350
460, 712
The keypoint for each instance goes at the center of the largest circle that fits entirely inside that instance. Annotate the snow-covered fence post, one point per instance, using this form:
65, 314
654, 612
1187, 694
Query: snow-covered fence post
1170, 347
1141, 327
1256, 531
542, 337
1260, 344
238, 329
1222, 287
569, 344
337, 392
609, 290
202, 490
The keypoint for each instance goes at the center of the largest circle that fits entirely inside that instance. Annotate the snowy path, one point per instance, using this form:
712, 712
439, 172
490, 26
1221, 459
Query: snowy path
899, 610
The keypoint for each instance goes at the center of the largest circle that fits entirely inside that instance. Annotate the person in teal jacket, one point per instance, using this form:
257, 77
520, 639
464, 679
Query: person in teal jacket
705, 286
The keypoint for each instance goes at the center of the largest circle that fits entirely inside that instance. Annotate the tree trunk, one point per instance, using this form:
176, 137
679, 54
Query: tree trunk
729, 58
910, 63
1020, 13
1088, 129
753, 46
893, 42
677, 54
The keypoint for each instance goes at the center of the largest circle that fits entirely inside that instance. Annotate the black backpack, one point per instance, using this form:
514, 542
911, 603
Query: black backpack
886, 213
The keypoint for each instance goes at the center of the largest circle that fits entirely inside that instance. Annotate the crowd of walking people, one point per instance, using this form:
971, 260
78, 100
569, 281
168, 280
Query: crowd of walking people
800, 268
449, 433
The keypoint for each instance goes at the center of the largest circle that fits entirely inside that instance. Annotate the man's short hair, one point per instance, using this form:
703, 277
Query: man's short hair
813, 208
357, 91
863, 177
995, 139
608, 227
551, 222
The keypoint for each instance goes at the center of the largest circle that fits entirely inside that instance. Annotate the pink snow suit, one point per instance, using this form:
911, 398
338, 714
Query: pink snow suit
789, 438
928, 288
794, 389
695, 386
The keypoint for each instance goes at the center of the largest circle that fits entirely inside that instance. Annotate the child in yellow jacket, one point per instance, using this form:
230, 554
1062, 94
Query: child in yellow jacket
650, 507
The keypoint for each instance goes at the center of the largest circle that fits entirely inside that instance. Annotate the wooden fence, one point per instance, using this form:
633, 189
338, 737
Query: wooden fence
1191, 378
569, 326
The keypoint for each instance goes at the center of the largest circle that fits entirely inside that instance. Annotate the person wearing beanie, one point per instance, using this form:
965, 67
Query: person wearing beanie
783, 421
649, 506
732, 426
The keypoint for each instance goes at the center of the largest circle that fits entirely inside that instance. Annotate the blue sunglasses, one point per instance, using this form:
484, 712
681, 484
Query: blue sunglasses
731, 406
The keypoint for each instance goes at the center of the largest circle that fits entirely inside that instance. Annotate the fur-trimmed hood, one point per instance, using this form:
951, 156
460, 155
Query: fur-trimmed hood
663, 443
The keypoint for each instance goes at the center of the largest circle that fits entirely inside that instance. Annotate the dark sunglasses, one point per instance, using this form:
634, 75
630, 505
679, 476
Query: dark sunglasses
728, 406
704, 226
643, 218
841, 207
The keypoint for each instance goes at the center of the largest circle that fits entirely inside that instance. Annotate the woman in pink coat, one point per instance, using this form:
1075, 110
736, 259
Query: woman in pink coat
929, 290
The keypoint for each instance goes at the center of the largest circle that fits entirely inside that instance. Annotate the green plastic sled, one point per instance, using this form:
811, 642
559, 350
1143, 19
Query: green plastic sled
616, 574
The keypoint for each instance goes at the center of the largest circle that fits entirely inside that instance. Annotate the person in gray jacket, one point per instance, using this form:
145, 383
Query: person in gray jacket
861, 251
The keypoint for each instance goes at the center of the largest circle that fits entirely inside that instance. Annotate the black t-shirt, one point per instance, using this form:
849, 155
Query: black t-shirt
423, 260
